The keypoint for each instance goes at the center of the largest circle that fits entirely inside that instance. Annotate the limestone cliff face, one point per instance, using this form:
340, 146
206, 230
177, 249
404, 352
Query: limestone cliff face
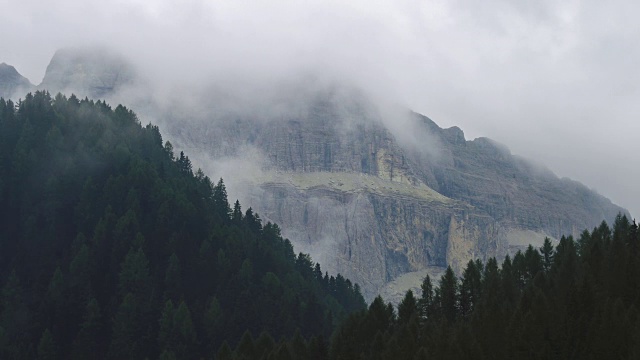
513, 191
344, 188
374, 230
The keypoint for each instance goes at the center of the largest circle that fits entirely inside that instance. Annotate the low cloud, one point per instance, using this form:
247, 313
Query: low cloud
554, 81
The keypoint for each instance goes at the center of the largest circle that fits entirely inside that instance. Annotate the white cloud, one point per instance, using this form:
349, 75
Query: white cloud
555, 81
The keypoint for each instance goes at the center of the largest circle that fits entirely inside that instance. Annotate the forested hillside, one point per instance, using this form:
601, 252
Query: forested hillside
112, 247
578, 300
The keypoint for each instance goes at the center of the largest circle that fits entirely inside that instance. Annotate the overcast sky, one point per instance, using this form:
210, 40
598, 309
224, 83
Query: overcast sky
556, 81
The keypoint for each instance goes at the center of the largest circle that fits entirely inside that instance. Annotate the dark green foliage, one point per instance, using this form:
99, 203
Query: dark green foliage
407, 308
112, 246
426, 302
470, 289
47, 346
446, 295
577, 301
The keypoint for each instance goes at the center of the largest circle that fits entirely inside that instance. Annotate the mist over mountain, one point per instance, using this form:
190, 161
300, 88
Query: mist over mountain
370, 189
89, 71
11, 82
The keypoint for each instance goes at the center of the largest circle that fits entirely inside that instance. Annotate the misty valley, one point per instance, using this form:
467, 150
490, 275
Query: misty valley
302, 218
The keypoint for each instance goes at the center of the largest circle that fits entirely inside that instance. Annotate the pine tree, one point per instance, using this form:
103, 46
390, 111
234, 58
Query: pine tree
86, 343
470, 289
237, 213
225, 352
221, 201
407, 308
183, 332
47, 347
172, 278
449, 295
547, 254
246, 347
425, 303
134, 283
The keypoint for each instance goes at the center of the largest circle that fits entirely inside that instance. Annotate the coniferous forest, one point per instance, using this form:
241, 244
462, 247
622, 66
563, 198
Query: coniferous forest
113, 247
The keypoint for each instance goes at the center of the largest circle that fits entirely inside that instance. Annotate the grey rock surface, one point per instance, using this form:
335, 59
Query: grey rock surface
366, 214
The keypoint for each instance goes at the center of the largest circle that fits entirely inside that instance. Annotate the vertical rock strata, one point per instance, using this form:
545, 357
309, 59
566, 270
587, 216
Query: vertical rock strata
374, 234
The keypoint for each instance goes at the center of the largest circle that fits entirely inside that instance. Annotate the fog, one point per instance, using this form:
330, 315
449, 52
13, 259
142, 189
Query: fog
554, 81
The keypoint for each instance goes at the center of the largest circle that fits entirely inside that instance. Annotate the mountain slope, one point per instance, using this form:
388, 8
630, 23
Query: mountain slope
511, 189
11, 82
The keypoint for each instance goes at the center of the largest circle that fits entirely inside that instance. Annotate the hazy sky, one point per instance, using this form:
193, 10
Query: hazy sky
556, 81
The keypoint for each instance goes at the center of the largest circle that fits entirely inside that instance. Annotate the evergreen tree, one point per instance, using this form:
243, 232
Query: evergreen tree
425, 303
220, 199
470, 288
172, 278
47, 347
87, 342
407, 308
547, 254
448, 295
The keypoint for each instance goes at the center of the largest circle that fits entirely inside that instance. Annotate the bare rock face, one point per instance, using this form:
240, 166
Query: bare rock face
12, 84
374, 230
513, 191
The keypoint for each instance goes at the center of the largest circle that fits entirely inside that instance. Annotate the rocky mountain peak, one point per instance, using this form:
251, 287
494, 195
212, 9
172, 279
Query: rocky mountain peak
11, 82
87, 71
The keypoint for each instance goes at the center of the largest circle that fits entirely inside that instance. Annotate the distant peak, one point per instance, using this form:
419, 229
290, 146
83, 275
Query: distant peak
11, 82
93, 71
6, 67
455, 134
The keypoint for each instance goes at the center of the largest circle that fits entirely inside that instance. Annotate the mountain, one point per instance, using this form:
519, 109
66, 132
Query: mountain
11, 82
380, 194
347, 189
94, 72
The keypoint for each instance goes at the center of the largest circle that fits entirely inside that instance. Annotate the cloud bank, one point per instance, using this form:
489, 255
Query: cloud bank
554, 81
